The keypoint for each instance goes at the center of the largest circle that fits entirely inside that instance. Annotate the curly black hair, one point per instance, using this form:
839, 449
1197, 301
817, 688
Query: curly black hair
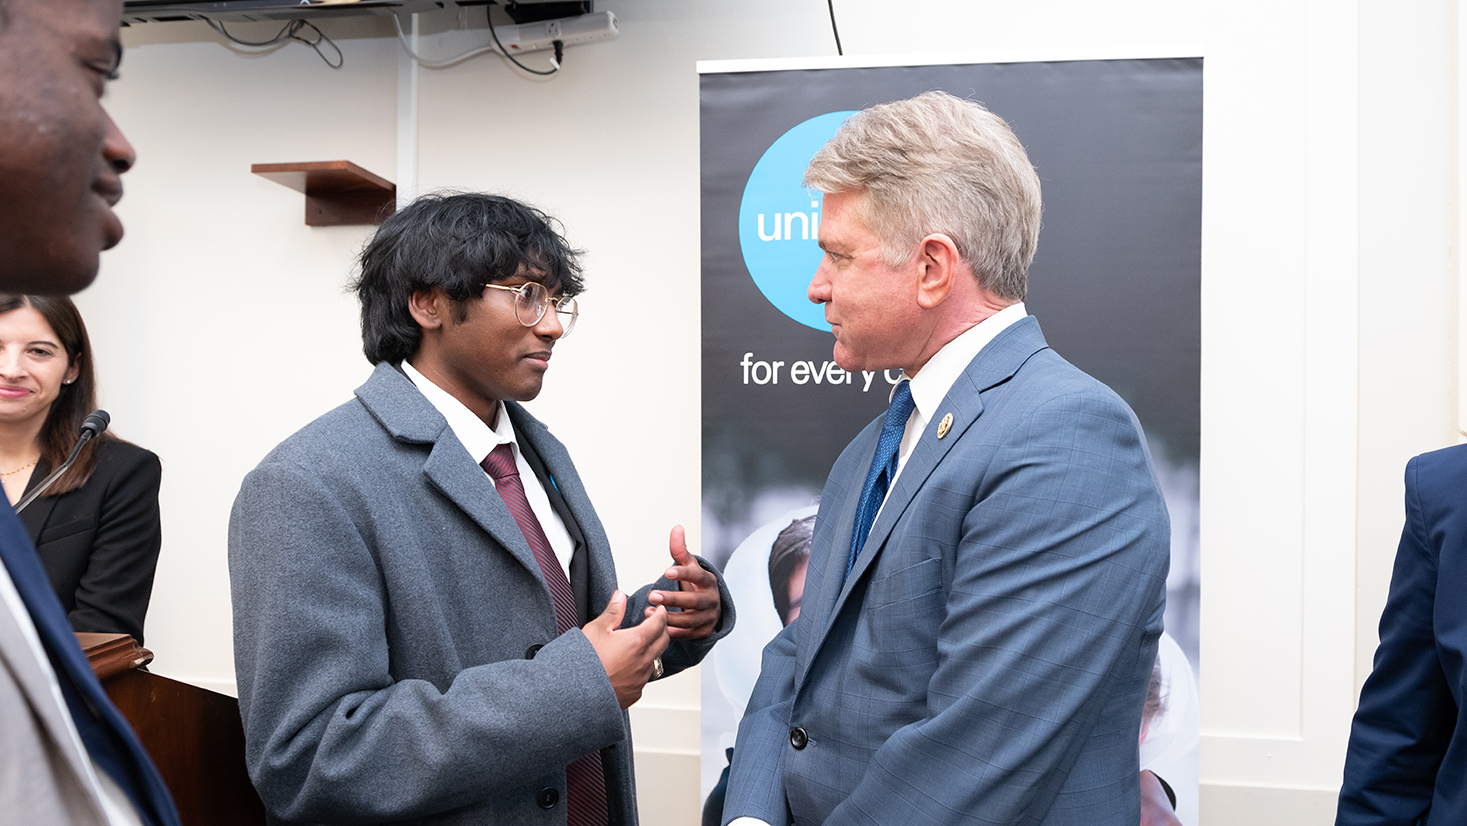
455, 242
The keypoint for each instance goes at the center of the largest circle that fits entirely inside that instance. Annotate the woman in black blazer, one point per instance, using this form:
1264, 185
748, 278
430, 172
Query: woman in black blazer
97, 528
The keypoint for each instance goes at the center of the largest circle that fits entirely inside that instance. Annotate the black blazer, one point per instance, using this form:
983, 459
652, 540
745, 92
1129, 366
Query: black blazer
99, 543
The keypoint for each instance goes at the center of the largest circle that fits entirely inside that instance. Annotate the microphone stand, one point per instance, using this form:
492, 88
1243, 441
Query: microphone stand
95, 423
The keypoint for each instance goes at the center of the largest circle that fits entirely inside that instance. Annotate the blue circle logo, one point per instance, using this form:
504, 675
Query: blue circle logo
779, 220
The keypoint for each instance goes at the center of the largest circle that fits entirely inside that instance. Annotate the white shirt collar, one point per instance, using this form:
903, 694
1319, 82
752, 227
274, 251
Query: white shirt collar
478, 438
932, 383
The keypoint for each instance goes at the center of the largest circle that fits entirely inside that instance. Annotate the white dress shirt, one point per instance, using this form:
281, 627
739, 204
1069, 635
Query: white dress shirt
479, 440
115, 802
929, 387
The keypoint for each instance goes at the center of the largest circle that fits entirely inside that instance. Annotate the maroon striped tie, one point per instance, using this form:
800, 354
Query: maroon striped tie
585, 783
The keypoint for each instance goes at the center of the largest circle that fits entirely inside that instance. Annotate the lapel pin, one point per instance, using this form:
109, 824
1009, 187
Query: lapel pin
945, 425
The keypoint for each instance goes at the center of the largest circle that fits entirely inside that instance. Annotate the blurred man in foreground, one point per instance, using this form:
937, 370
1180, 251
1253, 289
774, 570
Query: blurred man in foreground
66, 754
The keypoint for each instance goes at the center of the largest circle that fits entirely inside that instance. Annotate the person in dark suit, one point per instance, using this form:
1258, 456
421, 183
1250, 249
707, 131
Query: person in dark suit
96, 528
1406, 764
987, 572
66, 756
427, 623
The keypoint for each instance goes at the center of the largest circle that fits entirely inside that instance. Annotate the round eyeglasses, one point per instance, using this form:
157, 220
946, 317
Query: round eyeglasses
532, 301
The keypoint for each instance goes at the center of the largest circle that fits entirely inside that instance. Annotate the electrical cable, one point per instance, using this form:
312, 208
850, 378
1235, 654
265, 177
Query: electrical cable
833, 30
459, 58
489, 17
281, 36
290, 31
435, 64
316, 46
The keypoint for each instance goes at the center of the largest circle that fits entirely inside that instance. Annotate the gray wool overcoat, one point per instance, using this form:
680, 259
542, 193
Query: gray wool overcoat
394, 641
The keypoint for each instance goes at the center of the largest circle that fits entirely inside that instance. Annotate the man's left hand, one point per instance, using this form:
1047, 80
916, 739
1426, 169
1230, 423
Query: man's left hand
697, 595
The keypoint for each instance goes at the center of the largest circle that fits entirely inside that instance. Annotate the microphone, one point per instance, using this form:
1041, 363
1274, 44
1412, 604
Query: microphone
95, 424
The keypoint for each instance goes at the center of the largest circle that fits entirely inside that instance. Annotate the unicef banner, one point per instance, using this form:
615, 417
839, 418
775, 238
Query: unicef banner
1115, 284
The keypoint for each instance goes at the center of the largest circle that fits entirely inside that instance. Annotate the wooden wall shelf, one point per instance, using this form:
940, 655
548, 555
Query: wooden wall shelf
338, 193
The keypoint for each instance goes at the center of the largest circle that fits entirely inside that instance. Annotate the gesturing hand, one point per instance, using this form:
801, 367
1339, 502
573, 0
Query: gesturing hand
697, 593
627, 653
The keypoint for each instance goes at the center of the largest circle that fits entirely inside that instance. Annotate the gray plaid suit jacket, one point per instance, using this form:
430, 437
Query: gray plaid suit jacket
987, 659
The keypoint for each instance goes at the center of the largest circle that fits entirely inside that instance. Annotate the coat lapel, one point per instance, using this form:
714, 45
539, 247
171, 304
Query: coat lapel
17, 658
458, 477
564, 484
408, 417
995, 364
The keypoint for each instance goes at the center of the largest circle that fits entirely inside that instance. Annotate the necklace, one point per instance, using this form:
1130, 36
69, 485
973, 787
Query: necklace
19, 469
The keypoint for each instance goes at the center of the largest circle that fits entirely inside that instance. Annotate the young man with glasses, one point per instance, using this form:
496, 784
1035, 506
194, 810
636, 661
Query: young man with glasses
417, 574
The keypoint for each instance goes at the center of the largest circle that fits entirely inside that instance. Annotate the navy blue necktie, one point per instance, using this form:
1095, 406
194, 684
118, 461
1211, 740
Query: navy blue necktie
883, 467
109, 740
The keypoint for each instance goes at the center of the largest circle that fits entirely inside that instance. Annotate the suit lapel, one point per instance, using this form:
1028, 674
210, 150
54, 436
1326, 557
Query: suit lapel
16, 657
832, 542
995, 364
966, 407
36, 513
100, 724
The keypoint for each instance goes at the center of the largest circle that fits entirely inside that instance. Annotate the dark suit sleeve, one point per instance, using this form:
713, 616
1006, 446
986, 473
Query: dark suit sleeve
113, 594
1406, 715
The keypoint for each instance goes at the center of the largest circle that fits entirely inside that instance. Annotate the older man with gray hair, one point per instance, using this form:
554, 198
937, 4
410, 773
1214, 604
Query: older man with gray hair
987, 573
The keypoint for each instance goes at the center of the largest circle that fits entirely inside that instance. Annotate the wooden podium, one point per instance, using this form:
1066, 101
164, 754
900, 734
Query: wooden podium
193, 735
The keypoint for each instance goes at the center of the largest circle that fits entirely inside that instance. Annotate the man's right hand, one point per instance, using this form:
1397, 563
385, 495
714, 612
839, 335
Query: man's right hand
627, 653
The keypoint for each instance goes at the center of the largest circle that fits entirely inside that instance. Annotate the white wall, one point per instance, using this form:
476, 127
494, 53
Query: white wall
1329, 288
220, 324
